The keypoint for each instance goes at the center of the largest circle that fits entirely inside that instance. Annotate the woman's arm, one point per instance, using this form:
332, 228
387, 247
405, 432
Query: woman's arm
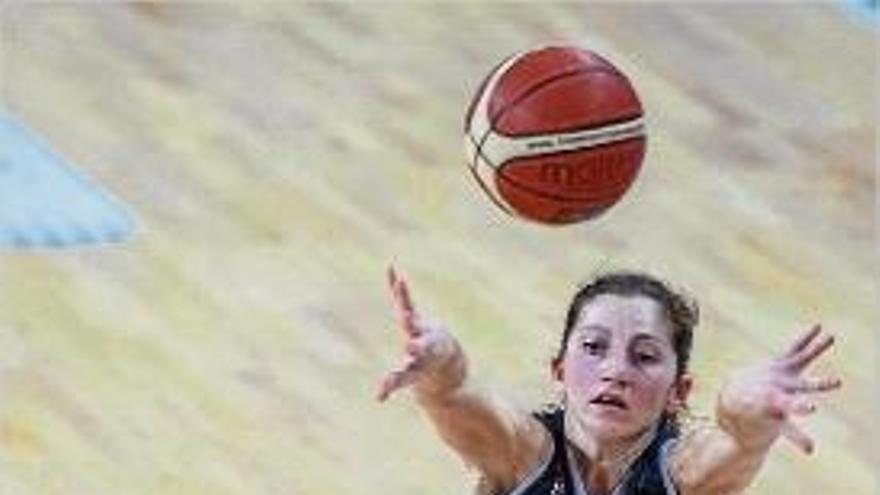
486, 432
754, 408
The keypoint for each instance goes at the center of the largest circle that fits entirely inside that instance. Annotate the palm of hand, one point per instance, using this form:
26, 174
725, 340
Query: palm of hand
765, 398
427, 344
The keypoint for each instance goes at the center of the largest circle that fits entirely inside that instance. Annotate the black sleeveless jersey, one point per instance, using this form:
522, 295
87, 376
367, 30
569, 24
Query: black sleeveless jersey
648, 475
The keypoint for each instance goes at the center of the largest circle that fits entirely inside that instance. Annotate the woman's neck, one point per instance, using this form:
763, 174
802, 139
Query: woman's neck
603, 464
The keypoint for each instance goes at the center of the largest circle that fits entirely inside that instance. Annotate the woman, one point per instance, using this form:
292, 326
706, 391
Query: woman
622, 366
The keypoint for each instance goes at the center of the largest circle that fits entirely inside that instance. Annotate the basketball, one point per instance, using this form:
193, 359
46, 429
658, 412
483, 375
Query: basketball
555, 135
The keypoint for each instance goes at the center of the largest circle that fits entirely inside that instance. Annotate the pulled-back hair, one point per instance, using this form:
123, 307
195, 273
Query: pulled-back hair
681, 313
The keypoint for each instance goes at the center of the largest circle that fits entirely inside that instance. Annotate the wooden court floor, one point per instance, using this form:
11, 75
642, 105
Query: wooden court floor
279, 155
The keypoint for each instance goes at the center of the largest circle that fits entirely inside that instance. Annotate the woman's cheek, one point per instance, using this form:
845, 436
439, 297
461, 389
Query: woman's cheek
581, 375
651, 392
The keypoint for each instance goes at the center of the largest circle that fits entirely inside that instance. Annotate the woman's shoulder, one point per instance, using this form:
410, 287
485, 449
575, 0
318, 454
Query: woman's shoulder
532, 455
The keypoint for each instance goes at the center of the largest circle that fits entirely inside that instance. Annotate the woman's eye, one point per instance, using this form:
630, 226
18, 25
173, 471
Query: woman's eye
646, 358
592, 347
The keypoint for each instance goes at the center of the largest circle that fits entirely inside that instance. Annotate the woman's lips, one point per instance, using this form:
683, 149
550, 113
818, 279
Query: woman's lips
612, 401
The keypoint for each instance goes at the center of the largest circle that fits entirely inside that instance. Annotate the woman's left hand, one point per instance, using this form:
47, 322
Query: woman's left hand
758, 403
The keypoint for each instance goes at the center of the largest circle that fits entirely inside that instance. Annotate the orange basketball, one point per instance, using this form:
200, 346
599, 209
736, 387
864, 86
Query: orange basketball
555, 135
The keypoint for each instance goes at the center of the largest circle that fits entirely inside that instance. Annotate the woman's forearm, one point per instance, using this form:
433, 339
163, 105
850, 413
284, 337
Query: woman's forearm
488, 434
481, 427
724, 458
463, 415
712, 461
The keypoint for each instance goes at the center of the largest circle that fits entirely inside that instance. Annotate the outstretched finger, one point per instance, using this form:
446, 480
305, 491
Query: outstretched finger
803, 341
402, 302
798, 437
807, 355
398, 378
400, 290
802, 407
814, 385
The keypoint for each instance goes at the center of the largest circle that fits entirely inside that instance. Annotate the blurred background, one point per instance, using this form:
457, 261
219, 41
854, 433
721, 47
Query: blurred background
278, 156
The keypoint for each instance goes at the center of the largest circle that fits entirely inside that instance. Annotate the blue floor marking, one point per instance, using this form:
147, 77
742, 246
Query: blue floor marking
46, 203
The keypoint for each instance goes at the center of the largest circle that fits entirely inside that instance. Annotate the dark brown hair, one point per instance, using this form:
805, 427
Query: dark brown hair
681, 312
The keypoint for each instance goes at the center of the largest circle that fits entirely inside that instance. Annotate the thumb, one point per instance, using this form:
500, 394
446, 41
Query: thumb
401, 376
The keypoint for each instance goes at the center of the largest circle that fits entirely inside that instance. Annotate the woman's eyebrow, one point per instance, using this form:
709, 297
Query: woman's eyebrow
592, 327
641, 337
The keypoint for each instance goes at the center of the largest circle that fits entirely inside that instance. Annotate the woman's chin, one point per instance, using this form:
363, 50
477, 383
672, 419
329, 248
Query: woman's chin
606, 425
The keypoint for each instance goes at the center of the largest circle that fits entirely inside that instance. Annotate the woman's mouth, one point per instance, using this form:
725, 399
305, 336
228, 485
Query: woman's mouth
609, 401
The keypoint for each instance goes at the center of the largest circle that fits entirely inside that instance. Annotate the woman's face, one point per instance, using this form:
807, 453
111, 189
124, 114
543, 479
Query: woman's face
619, 367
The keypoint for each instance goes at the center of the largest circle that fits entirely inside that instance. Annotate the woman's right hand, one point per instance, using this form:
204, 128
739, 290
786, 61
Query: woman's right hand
501, 442
430, 352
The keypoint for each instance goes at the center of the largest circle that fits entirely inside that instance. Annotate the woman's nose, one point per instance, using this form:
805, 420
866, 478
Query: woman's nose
615, 369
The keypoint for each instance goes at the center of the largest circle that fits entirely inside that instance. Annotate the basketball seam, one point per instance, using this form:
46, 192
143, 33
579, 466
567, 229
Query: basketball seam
596, 125
499, 171
472, 166
550, 80
546, 195
561, 76
479, 144
472, 107
574, 150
